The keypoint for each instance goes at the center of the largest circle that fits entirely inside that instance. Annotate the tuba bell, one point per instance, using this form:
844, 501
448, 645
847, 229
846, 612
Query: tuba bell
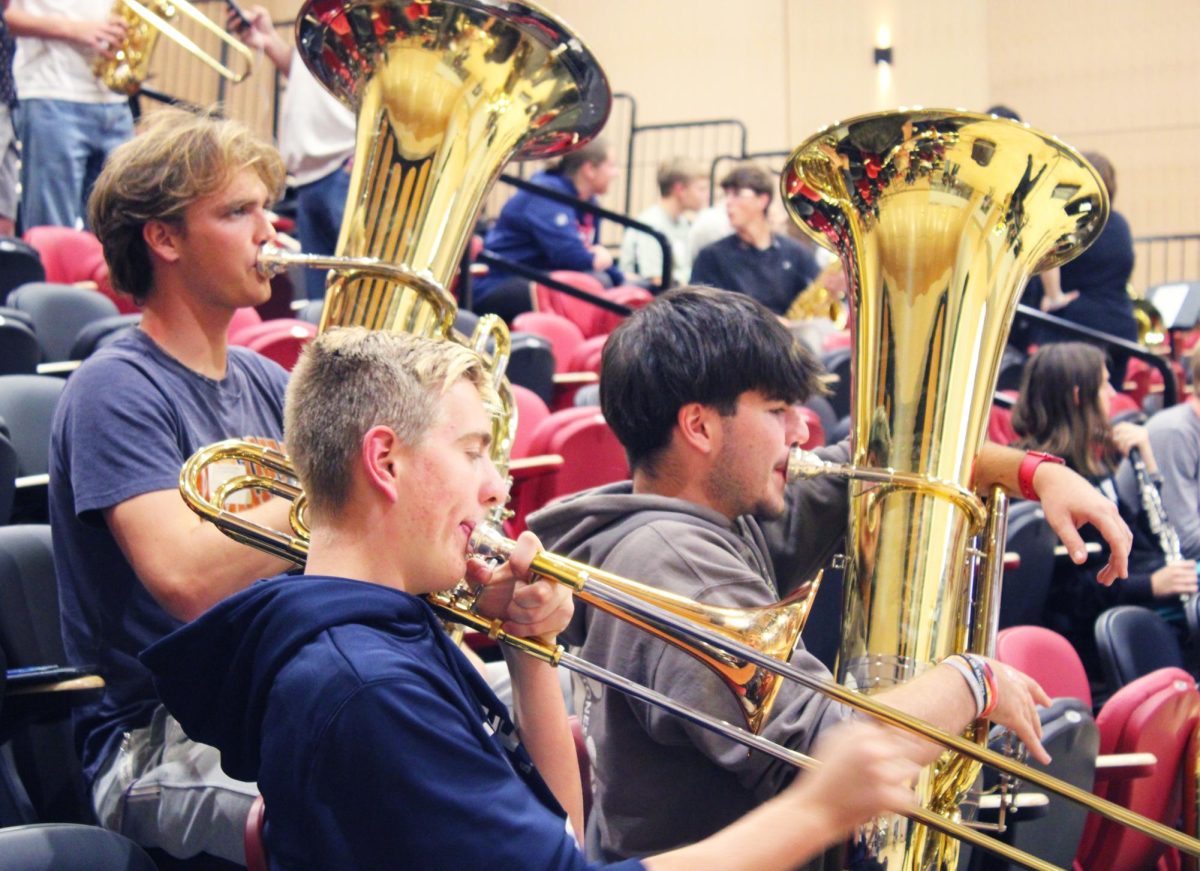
940, 218
445, 93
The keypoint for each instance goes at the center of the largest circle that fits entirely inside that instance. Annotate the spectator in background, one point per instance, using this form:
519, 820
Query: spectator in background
1063, 409
1175, 437
753, 260
10, 155
1096, 283
547, 235
316, 139
683, 186
68, 121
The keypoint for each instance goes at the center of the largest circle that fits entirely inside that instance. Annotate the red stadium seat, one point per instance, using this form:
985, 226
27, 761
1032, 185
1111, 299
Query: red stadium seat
563, 334
243, 319
1122, 403
590, 452
565, 339
280, 340
1155, 714
591, 319
1048, 658
587, 355
816, 432
579, 312
73, 256
531, 411
1000, 429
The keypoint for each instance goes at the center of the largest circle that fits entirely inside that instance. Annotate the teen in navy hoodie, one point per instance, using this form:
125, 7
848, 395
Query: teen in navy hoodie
374, 741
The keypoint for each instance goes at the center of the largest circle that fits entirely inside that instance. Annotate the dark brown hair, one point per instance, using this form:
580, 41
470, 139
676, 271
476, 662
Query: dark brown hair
1059, 411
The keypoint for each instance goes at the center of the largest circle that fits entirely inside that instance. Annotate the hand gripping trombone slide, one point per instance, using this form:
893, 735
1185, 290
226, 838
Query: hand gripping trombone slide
701, 631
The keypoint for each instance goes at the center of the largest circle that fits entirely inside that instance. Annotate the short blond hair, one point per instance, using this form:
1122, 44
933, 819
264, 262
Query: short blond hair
351, 379
176, 158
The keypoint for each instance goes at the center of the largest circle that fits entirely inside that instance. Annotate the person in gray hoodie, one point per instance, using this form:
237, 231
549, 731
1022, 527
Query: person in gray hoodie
701, 388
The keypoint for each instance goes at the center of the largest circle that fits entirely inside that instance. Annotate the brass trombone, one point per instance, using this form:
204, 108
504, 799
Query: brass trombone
129, 65
720, 637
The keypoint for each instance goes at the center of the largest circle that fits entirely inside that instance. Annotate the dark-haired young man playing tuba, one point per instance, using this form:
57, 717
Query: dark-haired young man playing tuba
180, 211
701, 387
374, 741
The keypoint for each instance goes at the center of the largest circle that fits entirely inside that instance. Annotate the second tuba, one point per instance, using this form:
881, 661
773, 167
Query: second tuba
940, 218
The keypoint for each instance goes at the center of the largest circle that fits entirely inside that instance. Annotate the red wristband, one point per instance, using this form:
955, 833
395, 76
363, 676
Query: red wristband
1029, 465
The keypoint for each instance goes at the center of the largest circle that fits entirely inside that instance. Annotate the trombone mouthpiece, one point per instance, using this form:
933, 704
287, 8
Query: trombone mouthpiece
803, 465
488, 543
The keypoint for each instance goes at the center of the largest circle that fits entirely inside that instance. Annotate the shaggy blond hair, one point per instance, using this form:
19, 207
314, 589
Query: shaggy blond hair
176, 158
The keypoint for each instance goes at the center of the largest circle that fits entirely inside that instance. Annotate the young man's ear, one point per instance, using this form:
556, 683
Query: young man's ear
698, 426
162, 238
382, 462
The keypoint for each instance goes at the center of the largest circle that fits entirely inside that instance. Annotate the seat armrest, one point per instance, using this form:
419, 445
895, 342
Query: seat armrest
1124, 766
533, 467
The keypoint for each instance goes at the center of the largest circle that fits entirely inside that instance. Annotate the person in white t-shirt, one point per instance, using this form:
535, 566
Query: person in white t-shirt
68, 121
316, 138
683, 186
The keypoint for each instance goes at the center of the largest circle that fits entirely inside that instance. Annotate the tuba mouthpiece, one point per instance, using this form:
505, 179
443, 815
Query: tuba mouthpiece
803, 465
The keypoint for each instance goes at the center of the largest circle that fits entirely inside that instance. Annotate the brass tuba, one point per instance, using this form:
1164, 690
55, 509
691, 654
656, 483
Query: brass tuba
940, 218
129, 65
445, 92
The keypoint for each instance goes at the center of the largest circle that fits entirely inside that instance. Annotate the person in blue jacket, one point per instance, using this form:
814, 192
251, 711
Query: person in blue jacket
547, 235
374, 741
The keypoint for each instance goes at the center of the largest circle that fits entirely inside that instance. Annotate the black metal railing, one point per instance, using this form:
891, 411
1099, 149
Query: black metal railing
651, 144
1166, 259
1133, 349
491, 261
600, 212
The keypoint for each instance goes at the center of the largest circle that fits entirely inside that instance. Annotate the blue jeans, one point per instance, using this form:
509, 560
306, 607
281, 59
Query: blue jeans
63, 146
319, 206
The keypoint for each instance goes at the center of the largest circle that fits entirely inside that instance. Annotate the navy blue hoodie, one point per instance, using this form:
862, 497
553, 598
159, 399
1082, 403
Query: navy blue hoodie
374, 742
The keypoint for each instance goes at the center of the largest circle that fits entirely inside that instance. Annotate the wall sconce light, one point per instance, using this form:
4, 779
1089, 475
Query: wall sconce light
883, 55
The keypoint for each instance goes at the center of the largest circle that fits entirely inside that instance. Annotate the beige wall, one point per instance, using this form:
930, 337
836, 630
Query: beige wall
1113, 75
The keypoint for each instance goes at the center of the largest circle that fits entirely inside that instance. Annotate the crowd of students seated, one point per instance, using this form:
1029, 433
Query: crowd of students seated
334, 694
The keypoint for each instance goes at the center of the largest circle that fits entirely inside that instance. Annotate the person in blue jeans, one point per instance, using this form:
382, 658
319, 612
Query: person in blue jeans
67, 120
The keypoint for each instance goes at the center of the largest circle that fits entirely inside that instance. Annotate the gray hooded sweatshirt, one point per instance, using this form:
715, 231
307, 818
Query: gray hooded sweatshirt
659, 782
